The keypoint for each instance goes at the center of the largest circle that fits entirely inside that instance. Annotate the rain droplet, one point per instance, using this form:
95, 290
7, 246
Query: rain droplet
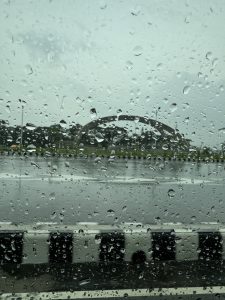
129, 65
165, 100
97, 159
99, 137
186, 120
52, 196
186, 89
53, 215
214, 62
30, 126
124, 208
103, 5
208, 55
84, 281
97, 239
54, 168
157, 219
137, 51
78, 100
28, 70
35, 164
222, 130
63, 123
173, 107
31, 148
110, 213
61, 216
8, 109
67, 164
136, 11
165, 147
9, 139
93, 113
171, 193
193, 218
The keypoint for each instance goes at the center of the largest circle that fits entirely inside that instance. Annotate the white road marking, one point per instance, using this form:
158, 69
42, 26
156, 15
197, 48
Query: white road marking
156, 292
117, 179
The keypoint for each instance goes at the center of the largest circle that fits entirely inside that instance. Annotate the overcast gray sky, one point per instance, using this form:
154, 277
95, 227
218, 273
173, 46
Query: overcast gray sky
65, 57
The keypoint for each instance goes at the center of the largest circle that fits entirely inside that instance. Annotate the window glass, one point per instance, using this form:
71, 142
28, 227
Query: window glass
112, 148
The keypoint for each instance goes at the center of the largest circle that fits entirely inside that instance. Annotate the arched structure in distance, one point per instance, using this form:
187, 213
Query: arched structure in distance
162, 128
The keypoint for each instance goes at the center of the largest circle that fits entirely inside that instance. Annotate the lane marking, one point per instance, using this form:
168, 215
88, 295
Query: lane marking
156, 292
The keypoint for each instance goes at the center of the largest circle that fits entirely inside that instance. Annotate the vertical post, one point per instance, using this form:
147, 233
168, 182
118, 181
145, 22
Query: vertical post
21, 138
156, 114
21, 129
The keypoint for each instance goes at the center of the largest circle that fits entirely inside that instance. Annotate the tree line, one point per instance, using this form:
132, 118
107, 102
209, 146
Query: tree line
62, 136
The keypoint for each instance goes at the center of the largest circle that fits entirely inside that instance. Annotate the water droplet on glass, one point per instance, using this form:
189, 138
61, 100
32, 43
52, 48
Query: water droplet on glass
103, 5
30, 126
208, 55
222, 130
28, 70
35, 164
54, 168
186, 120
214, 62
52, 196
99, 137
84, 281
93, 113
61, 216
129, 65
124, 208
193, 218
136, 11
63, 123
97, 239
186, 89
53, 215
171, 193
111, 159
8, 109
137, 51
165, 100
173, 107
97, 159
110, 213
67, 164
157, 220
31, 148
147, 98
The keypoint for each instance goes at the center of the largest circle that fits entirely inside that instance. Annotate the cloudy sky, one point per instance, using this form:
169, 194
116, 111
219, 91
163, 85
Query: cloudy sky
65, 57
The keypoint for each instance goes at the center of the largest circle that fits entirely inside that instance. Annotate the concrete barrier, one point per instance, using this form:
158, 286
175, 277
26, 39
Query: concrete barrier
125, 157
90, 242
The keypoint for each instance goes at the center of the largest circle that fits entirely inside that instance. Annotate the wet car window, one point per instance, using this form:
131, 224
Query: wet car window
112, 148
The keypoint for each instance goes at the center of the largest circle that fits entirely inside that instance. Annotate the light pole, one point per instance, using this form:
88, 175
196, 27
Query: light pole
156, 114
21, 129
